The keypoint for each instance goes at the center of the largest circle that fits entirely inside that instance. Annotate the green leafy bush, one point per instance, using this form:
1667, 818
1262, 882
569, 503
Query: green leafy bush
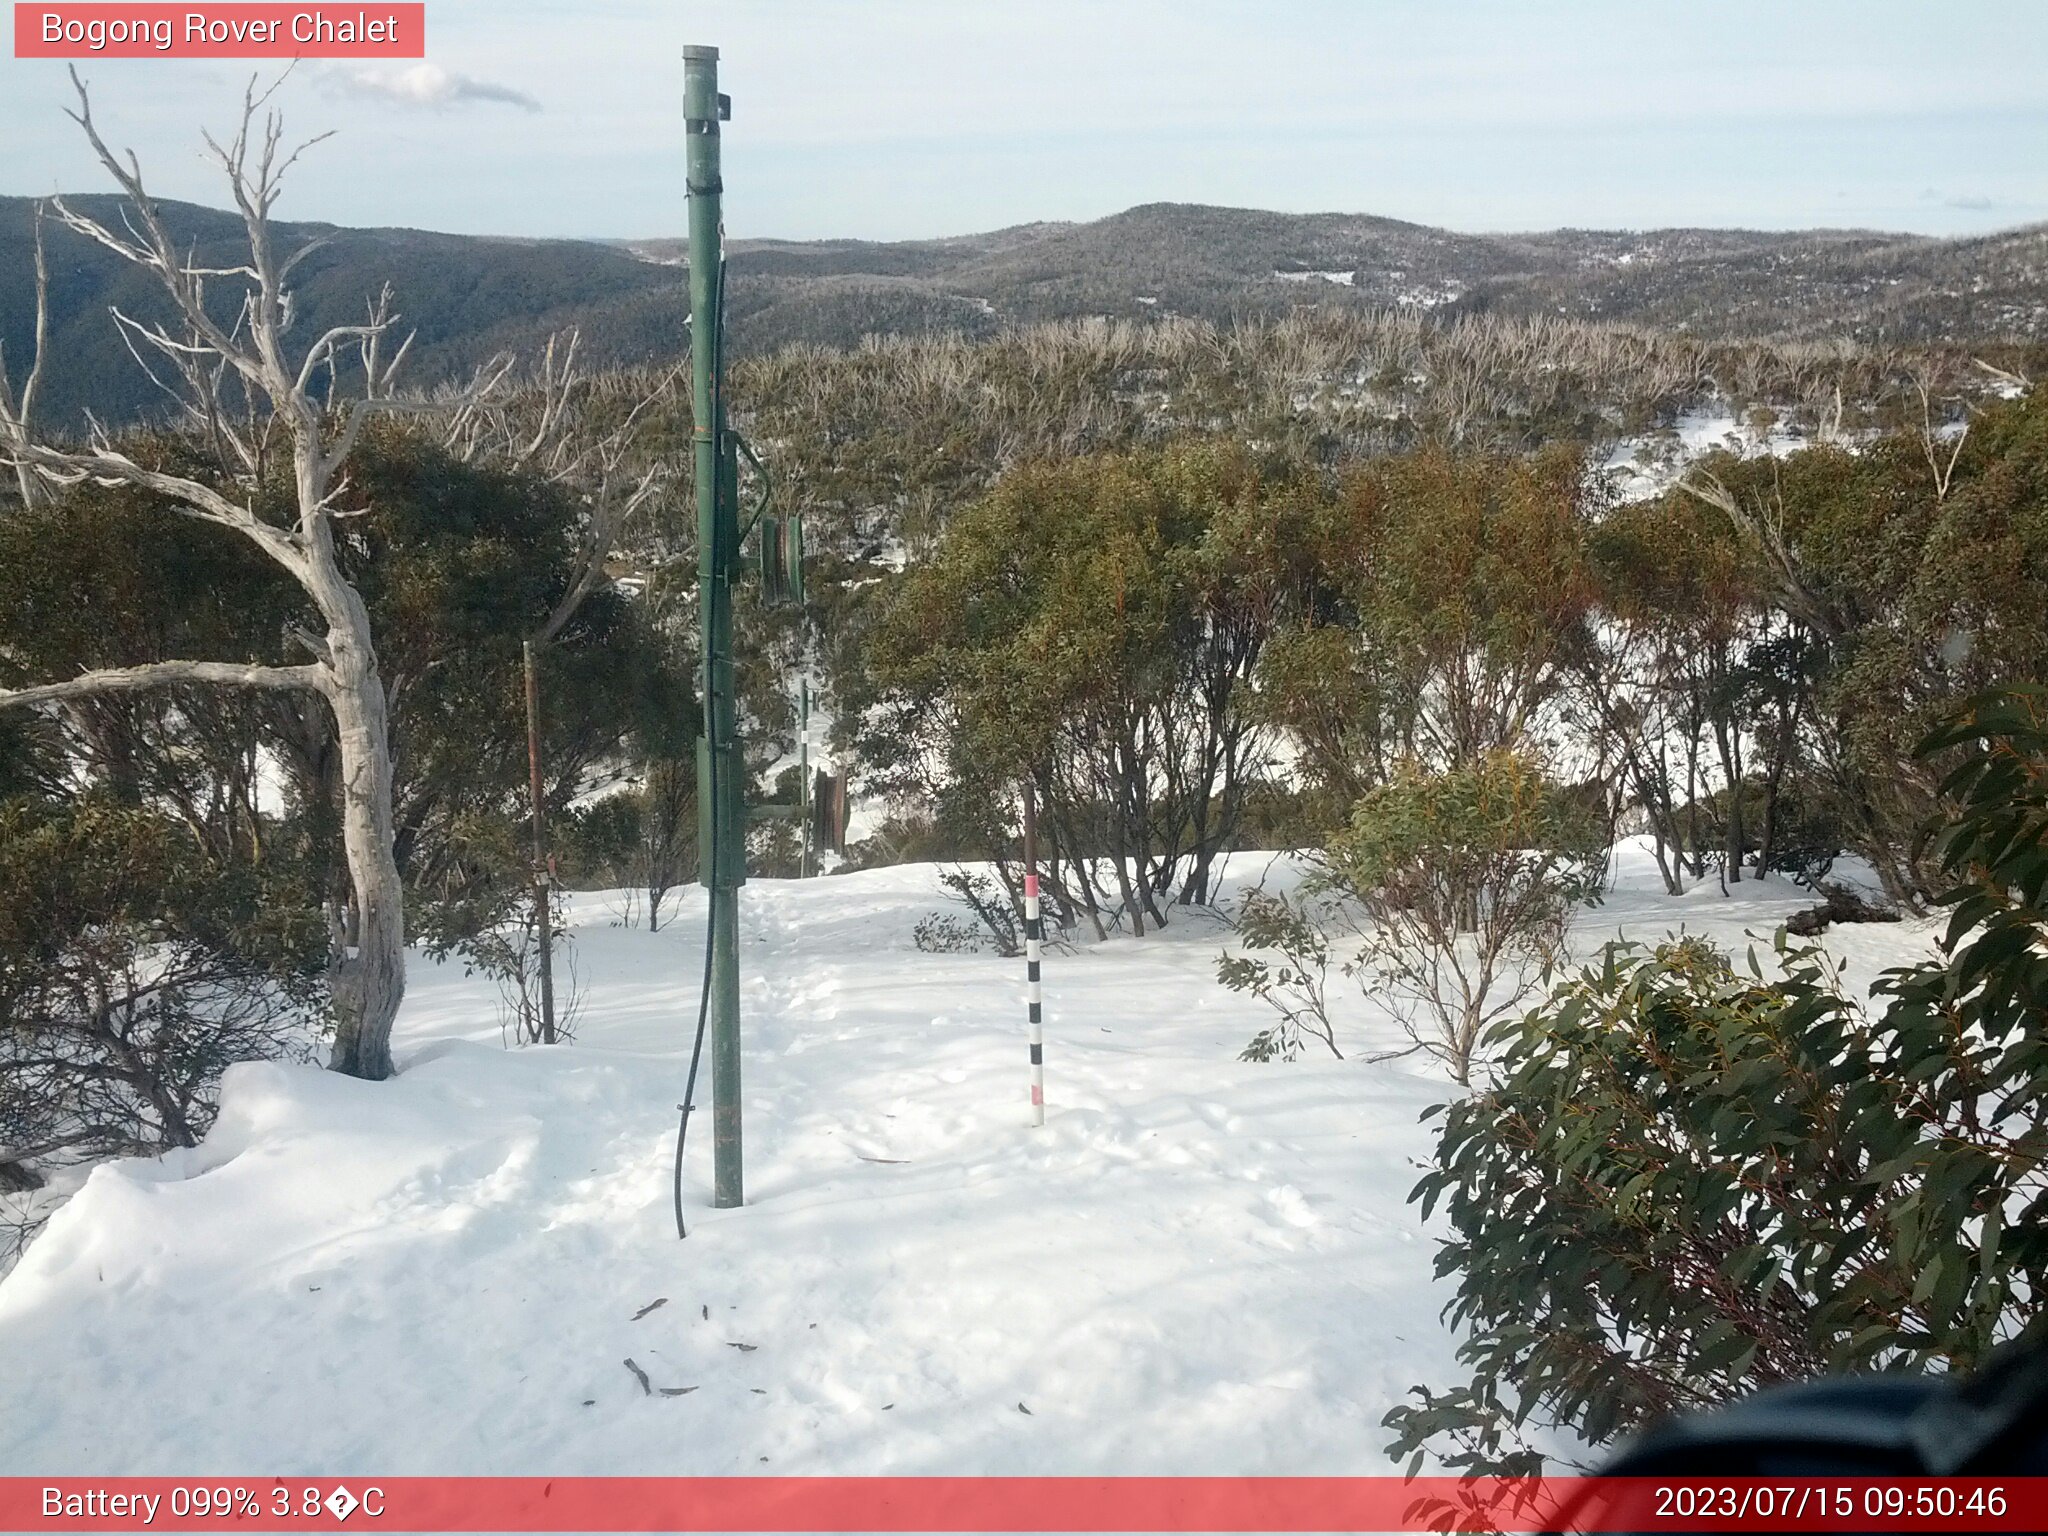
1456, 889
1295, 983
133, 970
1694, 1179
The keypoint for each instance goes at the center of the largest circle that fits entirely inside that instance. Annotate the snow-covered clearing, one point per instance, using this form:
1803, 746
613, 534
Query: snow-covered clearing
1199, 1265
1649, 464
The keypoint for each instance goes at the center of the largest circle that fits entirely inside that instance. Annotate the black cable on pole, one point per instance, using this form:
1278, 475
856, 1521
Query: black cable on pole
697, 1050
708, 854
710, 938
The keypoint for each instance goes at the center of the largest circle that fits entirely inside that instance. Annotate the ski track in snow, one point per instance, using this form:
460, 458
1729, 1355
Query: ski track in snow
1199, 1265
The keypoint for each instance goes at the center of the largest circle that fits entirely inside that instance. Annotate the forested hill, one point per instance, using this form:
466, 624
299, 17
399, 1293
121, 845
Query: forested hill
470, 296
466, 296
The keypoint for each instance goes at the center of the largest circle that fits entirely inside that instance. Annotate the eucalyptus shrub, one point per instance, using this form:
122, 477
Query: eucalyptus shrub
134, 970
1695, 1178
1296, 984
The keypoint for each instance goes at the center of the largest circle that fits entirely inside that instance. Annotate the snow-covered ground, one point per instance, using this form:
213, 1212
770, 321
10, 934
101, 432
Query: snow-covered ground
1649, 464
1199, 1265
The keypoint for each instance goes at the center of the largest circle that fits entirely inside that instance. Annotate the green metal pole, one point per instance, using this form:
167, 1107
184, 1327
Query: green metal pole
722, 850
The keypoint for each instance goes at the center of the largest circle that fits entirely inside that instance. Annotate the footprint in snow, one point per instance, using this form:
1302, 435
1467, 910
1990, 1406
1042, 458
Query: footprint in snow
1217, 1116
1291, 1206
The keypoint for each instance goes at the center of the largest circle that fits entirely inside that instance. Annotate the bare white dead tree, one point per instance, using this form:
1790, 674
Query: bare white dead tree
201, 359
1942, 456
17, 412
1760, 522
2004, 378
553, 428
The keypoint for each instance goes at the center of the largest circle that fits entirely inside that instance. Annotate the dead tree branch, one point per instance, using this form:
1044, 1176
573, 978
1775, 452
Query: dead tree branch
163, 674
17, 412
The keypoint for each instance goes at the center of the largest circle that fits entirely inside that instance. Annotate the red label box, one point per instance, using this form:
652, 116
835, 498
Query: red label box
372, 30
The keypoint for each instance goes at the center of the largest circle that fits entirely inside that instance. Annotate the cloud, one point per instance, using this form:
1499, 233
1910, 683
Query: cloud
429, 85
1970, 204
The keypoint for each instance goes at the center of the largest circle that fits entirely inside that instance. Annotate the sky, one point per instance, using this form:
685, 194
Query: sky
895, 119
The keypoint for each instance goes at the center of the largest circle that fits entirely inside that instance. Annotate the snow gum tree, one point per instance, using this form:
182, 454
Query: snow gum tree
1659, 679
1916, 572
1095, 623
1442, 598
295, 422
1469, 578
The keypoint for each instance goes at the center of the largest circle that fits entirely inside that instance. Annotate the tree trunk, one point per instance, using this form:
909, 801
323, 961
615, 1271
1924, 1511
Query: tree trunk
1081, 891
1695, 856
1465, 1035
1728, 745
1767, 841
1123, 878
369, 975
1667, 868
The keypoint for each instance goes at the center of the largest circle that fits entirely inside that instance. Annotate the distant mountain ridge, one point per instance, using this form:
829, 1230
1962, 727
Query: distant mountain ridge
470, 296
467, 295
1867, 285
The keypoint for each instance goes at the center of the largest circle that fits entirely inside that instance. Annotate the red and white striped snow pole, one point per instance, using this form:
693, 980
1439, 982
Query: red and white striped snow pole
1034, 939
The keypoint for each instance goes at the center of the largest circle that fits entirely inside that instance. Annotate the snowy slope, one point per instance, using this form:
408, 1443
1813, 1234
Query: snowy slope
1198, 1266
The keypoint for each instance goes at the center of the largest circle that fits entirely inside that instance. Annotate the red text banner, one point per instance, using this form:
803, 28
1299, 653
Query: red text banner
976, 1504
221, 31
